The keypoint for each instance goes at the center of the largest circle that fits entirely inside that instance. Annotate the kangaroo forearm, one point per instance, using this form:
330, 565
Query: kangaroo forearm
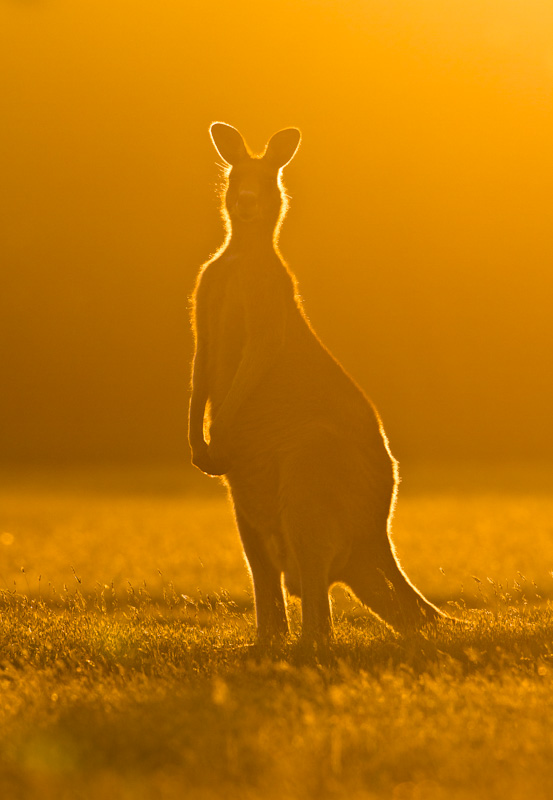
196, 416
250, 373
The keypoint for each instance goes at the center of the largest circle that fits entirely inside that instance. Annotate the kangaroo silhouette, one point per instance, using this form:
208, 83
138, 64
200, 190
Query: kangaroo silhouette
301, 448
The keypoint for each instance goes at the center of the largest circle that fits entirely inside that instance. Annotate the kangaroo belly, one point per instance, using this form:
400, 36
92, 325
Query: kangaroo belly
303, 392
313, 485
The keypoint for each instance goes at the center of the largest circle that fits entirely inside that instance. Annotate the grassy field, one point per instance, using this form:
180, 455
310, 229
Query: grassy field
127, 667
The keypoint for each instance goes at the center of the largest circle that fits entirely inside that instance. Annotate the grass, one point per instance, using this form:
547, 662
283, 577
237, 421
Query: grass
127, 670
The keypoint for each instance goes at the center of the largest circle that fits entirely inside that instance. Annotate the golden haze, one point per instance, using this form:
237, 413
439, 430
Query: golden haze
419, 229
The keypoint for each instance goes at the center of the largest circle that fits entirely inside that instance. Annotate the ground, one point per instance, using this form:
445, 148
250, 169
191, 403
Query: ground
127, 666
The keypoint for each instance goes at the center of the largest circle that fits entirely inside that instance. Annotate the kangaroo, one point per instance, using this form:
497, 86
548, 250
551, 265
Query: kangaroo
301, 448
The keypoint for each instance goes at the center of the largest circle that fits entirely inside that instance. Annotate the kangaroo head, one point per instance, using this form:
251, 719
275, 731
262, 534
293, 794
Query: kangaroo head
254, 192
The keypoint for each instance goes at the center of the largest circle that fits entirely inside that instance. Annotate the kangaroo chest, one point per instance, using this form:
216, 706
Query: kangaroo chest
248, 299
226, 330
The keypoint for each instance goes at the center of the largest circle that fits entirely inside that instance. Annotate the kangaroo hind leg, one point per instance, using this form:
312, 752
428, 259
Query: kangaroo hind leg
312, 525
313, 570
315, 603
270, 608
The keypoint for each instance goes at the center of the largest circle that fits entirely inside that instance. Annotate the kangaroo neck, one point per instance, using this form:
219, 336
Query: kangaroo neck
251, 240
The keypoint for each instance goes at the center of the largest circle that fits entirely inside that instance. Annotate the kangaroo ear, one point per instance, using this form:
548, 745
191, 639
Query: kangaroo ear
282, 147
228, 143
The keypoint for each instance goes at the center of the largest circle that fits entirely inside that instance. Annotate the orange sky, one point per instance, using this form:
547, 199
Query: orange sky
420, 225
